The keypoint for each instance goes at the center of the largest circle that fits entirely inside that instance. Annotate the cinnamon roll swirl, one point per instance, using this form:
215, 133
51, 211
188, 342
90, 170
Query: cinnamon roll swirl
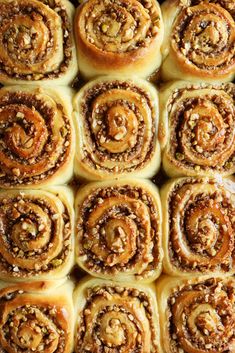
116, 317
197, 129
36, 136
118, 230
36, 233
119, 36
199, 40
36, 42
198, 227
197, 316
36, 317
117, 123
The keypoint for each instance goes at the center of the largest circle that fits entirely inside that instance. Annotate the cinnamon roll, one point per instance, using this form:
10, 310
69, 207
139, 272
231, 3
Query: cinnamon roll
36, 233
117, 123
197, 315
199, 40
115, 317
36, 136
119, 36
197, 129
118, 230
198, 227
36, 317
36, 42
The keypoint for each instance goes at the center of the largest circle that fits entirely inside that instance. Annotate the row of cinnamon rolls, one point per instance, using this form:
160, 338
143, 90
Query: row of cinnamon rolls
113, 128
193, 39
195, 315
124, 230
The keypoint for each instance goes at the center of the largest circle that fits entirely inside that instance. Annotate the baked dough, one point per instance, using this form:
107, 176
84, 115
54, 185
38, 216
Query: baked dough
197, 129
36, 42
118, 36
118, 227
37, 141
37, 317
199, 40
37, 234
198, 226
196, 315
117, 126
117, 316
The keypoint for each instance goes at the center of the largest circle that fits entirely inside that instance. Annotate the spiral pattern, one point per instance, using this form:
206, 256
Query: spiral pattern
33, 322
118, 231
202, 317
119, 36
201, 226
35, 234
116, 319
201, 120
203, 38
119, 26
35, 136
119, 129
35, 39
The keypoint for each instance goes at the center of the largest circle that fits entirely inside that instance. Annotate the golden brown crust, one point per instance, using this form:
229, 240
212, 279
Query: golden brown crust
37, 136
118, 229
118, 36
198, 227
197, 129
116, 317
197, 316
36, 317
199, 40
36, 236
36, 41
117, 122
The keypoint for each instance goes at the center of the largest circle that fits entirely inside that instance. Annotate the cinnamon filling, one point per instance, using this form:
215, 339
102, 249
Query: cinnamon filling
35, 138
204, 34
202, 216
35, 237
118, 231
202, 128
31, 35
201, 317
113, 314
120, 127
119, 26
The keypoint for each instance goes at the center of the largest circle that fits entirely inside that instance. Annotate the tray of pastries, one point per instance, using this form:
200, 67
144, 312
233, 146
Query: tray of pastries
117, 189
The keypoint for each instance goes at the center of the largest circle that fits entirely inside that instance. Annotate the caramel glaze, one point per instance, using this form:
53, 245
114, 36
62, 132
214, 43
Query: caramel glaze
201, 222
201, 316
30, 152
30, 320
